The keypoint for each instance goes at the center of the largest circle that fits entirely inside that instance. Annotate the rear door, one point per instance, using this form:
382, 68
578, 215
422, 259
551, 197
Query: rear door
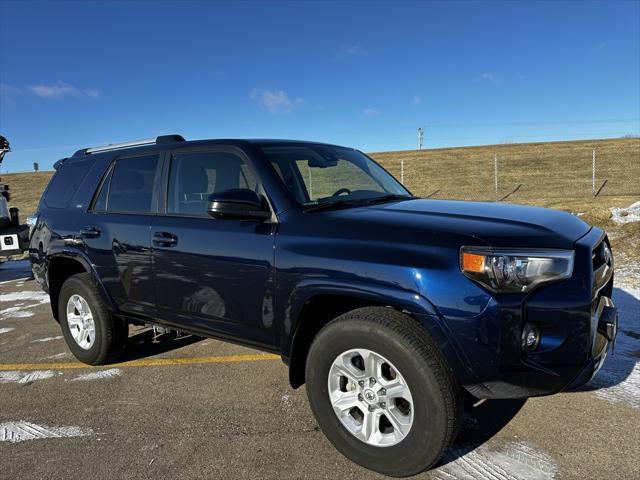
212, 276
117, 233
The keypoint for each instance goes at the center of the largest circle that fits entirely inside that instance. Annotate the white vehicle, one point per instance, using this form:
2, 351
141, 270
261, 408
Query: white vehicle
14, 237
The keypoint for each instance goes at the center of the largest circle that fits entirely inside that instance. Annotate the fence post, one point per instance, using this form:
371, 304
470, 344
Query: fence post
593, 174
402, 172
495, 172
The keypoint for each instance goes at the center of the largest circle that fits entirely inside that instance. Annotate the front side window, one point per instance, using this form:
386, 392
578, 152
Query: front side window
131, 186
194, 176
319, 174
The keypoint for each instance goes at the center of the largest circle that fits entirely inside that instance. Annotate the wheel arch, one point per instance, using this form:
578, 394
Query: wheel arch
61, 266
316, 309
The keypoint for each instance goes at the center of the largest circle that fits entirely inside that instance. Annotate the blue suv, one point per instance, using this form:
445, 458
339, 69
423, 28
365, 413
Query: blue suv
389, 307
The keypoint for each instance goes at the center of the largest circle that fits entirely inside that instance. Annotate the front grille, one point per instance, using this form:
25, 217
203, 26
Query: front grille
602, 272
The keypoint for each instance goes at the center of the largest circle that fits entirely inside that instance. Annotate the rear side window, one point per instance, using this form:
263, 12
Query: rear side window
65, 183
131, 186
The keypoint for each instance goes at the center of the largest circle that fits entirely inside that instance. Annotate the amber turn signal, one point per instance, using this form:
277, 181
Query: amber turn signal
472, 262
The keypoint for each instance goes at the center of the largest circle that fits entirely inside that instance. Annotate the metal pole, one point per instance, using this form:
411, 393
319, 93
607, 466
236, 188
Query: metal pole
593, 173
402, 172
310, 183
495, 172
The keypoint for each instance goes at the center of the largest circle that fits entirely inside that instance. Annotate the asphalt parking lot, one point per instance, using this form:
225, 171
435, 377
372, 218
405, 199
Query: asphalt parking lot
192, 408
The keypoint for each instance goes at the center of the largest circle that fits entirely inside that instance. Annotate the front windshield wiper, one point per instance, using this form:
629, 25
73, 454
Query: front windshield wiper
356, 202
387, 198
328, 205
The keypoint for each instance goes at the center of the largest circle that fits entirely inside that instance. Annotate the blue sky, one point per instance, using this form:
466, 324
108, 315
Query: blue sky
360, 74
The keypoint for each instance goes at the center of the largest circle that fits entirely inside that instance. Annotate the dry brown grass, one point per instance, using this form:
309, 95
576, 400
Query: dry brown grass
26, 189
530, 172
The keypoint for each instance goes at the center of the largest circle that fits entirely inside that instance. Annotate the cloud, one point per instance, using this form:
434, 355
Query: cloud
370, 111
275, 101
417, 99
520, 76
600, 47
61, 90
489, 77
349, 51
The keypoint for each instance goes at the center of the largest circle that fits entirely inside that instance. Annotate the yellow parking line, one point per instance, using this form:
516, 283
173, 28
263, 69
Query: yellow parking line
144, 362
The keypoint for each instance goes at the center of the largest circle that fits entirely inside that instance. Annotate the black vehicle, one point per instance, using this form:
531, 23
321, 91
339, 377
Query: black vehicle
389, 307
14, 237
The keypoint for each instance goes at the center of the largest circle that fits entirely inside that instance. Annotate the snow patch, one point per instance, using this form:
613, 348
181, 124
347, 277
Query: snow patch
101, 375
515, 461
5, 330
47, 339
629, 214
57, 356
25, 377
619, 378
15, 312
29, 296
21, 431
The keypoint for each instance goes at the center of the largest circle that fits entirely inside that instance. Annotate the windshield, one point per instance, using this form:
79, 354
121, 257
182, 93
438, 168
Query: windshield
318, 175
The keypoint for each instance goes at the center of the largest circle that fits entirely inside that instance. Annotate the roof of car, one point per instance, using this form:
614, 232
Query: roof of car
170, 141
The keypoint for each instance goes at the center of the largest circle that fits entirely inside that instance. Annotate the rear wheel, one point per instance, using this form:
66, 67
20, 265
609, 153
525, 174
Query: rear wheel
382, 392
92, 333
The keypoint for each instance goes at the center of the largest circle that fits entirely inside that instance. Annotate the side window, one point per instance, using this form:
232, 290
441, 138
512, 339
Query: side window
131, 187
65, 183
195, 176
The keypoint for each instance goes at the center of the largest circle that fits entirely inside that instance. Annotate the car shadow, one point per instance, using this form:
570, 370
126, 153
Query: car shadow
11, 270
480, 424
142, 343
620, 363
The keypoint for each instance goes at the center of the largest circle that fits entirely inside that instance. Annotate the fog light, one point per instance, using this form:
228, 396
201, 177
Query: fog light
530, 337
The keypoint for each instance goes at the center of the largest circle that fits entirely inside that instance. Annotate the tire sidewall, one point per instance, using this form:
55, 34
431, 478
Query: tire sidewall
423, 444
72, 286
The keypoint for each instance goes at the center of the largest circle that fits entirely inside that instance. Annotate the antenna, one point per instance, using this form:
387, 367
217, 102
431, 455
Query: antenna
420, 137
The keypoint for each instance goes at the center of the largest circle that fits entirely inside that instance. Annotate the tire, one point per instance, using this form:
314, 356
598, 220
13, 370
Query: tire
435, 412
109, 333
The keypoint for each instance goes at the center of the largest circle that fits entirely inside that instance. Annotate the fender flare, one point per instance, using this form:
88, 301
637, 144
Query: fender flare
82, 258
409, 302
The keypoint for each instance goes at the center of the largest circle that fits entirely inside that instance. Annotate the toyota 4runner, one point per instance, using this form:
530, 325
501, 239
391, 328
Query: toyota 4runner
389, 307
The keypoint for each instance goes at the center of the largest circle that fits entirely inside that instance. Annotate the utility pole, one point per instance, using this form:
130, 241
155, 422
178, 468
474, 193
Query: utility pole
420, 137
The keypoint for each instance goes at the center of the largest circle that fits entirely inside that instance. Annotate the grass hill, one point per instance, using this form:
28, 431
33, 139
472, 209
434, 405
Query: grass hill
556, 174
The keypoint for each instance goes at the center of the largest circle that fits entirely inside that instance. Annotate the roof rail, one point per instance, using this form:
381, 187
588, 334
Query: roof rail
134, 143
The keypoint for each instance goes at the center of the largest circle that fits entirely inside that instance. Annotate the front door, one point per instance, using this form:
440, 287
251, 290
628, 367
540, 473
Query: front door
214, 276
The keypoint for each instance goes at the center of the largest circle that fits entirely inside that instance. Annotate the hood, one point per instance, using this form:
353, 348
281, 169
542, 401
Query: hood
494, 224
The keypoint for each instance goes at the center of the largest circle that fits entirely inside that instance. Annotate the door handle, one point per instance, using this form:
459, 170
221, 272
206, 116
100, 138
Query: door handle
90, 232
165, 239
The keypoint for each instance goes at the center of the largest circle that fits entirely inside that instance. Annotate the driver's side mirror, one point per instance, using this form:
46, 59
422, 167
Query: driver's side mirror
238, 204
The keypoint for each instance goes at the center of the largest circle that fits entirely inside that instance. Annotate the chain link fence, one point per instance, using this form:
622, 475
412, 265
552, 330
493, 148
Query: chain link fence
524, 172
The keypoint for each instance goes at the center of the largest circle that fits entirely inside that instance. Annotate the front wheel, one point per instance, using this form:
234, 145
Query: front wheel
382, 392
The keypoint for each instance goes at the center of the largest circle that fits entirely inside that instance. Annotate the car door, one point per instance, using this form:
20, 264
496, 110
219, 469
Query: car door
212, 275
117, 233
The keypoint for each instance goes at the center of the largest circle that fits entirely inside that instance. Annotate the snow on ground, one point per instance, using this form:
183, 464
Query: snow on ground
25, 376
26, 301
20, 431
628, 214
619, 378
99, 375
514, 461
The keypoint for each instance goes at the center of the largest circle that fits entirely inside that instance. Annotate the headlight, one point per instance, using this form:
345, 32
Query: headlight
515, 270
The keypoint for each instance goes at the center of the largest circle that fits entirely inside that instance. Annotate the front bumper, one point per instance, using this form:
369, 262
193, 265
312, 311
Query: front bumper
578, 324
